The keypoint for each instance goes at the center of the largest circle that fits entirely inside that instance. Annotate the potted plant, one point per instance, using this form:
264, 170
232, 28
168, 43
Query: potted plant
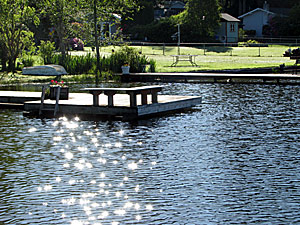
125, 69
64, 90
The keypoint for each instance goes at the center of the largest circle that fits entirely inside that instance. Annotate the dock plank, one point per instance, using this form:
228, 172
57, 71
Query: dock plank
121, 100
19, 97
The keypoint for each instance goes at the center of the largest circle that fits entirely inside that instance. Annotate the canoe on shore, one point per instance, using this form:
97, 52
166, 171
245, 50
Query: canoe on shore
46, 70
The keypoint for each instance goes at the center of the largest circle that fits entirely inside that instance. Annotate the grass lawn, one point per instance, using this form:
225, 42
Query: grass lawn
18, 78
209, 58
213, 57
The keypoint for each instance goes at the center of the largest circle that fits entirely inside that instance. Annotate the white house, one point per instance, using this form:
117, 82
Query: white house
228, 31
110, 26
256, 19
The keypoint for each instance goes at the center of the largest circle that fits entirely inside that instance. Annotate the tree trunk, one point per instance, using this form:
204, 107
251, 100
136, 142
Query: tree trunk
11, 65
60, 28
3, 57
96, 42
61, 41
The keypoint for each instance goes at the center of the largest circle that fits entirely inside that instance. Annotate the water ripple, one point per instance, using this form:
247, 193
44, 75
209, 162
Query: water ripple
232, 160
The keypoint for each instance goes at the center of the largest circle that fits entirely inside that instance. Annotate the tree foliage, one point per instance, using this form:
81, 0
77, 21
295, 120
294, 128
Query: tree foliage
284, 26
15, 35
239, 7
294, 20
146, 14
202, 17
61, 14
159, 31
102, 11
198, 22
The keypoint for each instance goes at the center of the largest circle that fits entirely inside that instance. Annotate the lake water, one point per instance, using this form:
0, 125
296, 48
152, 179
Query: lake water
235, 159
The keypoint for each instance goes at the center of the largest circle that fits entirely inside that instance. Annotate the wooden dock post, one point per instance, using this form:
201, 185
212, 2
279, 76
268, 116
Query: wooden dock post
110, 96
144, 97
57, 101
132, 98
42, 99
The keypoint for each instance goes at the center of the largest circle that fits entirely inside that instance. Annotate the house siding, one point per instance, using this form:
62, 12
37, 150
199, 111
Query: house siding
232, 32
226, 34
256, 20
228, 30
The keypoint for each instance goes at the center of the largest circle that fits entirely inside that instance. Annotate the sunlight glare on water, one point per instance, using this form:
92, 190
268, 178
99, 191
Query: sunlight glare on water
111, 196
232, 160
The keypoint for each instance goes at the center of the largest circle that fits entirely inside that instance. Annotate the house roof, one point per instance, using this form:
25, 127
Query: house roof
254, 11
229, 18
175, 5
116, 16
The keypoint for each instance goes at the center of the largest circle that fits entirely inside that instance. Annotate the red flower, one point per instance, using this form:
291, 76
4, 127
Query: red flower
57, 83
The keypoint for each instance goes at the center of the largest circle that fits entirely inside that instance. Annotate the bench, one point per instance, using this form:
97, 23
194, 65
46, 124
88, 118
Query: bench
189, 58
132, 92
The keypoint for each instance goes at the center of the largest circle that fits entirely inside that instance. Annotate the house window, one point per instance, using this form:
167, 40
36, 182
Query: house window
232, 27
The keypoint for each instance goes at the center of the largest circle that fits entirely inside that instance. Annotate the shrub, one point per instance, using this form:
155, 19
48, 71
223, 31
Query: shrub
252, 42
27, 56
250, 33
85, 64
28, 62
152, 65
127, 56
75, 64
46, 51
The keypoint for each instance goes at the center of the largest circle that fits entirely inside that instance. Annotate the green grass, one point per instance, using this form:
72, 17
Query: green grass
18, 78
213, 57
209, 58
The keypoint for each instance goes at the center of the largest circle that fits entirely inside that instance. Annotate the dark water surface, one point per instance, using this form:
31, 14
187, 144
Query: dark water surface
235, 159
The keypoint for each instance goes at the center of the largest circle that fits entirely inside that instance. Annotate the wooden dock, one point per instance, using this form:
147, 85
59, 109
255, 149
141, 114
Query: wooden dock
16, 99
82, 105
213, 78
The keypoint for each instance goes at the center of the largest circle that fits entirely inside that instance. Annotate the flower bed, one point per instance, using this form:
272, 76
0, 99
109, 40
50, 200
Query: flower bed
64, 90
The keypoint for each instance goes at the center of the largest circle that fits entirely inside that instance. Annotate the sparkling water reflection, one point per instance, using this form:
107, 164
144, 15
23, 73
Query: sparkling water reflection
232, 160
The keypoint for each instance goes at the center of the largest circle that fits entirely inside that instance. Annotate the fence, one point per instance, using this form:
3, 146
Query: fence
220, 49
274, 40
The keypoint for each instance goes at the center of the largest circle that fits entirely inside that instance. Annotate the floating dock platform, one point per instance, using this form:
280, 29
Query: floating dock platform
83, 105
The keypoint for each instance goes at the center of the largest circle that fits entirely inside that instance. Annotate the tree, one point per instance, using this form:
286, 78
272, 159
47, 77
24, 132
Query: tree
15, 36
294, 19
285, 26
201, 18
102, 12
165, 27
239, 7
61, 14
146, 14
